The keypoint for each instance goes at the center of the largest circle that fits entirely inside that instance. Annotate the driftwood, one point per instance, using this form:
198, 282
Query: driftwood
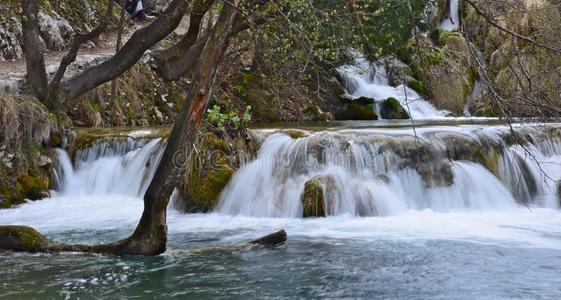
27, 239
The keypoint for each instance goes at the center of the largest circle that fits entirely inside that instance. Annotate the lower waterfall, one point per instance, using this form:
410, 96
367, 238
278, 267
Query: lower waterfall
382, 172
470, 182
119, 166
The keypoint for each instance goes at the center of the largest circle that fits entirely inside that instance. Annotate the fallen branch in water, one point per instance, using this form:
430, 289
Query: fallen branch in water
27, 239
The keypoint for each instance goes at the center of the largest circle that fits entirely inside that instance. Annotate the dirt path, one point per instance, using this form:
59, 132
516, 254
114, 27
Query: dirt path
104, 45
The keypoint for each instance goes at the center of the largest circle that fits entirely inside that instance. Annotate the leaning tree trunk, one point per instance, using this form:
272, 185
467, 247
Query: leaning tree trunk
150, 236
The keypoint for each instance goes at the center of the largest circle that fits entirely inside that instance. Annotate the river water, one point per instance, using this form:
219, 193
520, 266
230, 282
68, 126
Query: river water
489, 247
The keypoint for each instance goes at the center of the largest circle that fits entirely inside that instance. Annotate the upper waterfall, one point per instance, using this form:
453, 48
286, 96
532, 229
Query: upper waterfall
367, 80
452, 16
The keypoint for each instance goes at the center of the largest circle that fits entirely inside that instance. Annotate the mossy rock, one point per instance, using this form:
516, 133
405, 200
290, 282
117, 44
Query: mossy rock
210, 171
442, 37
10, 195
335, 87
391, 109
436, 174
295, 134
418, 87
365, 100
22, 239
203, 188
86, 137
313, 113
356, 111
34, 187
312, 199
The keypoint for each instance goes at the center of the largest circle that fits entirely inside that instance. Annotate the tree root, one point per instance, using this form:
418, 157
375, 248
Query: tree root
27, 239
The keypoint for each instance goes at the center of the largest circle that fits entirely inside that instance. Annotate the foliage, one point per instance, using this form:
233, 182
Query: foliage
325, 30
228, 120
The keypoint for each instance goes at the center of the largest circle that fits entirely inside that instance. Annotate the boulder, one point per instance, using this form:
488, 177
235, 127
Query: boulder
365, 100
312, 199
398, 72
10, 36
50, 31
22, 239
209, 171
445, 71
356, 111
391, 109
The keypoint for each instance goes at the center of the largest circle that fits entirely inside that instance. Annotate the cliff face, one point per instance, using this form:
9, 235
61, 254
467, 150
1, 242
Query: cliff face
525, 75
486, 70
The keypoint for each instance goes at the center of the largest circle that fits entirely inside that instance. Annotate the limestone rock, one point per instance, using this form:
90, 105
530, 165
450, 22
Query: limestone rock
398, 72
54, 30
10, 37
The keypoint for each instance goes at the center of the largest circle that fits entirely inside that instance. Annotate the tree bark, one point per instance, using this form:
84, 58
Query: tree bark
149, 237
33, 51
179, 61
166, 59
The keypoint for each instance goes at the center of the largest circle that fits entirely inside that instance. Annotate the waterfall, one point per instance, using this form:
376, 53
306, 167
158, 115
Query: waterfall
381, 172
118, 166
452, 16
365, 80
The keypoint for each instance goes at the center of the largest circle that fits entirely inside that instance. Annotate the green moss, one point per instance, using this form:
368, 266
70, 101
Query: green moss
86, 137
10, 195
391, 109
32, 185
313, 113
35, 186
22, 238
356, 111
295, 134
335, 88
364, 100
467, 88
313, 200
204, 187
210, 170
492, 161
442, 37
418, 87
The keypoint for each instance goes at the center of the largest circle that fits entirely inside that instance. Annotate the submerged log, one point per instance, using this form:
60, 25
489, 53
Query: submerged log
272, 240
27, 239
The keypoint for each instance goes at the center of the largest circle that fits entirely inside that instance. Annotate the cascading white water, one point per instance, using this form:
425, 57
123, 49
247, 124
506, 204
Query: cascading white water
363, 173
452, 21
122, 166
365, 80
